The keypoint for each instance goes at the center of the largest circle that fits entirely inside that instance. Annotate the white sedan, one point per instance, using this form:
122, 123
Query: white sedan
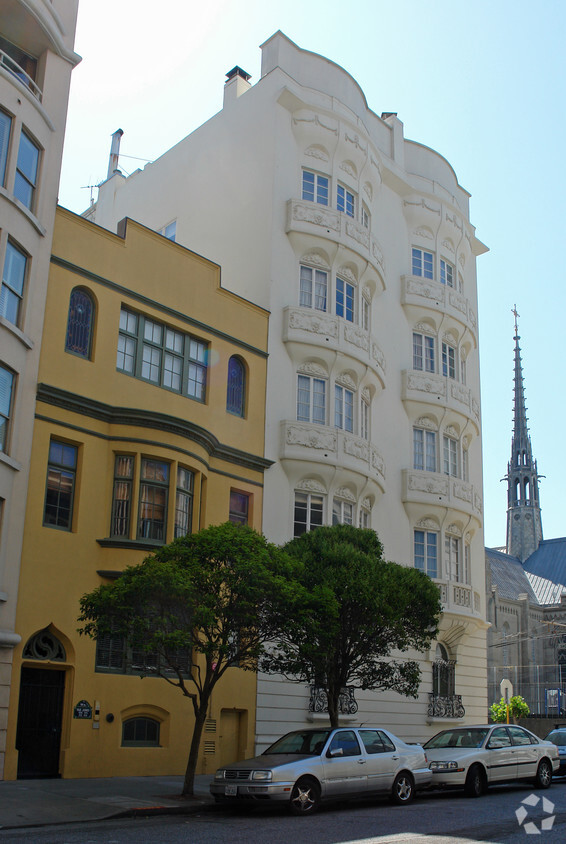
475, 757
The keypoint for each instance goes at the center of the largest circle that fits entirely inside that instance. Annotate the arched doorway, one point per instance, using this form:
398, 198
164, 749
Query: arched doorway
40, 709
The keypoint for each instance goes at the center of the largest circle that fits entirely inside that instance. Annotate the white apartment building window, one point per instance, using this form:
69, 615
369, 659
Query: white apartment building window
308, 512
450, 450
342, 512
465, 465
423, 352
311, 399
170, 230
13, 278
448, 361
452, 559
426, 551
364, 518
5, 129
447, 273
460, 283
424, 450
366, 312
423, 263
364, 419
313, 288
25, 183
6, 401
315, 187
343, 408
345, 299
467, 564
463, 370
365, 217
346, 201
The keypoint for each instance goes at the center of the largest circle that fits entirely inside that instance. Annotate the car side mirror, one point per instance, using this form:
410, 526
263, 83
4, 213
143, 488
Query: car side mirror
335, 751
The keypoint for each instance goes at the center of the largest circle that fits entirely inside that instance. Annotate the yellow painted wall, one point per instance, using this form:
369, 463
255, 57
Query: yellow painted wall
104, 412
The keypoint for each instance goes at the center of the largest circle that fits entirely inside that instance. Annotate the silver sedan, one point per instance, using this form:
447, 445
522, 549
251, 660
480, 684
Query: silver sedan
474, 757
307, 766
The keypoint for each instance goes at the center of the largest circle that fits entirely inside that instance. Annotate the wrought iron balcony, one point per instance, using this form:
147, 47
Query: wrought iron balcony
346, 703
445, 706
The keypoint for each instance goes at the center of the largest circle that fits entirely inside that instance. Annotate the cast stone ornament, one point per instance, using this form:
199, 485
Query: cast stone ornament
426, 422
319, 439
346, 380
345, 493
449, 246
424, 233
423, 204
378, 356
355, 140
349, 168
366, 504
378, 255
310, 368
346, 273
377, 462
368, 190
425, 483
366, 395
317, 152
464, 492
456, 221
315, 118
316, 260
451, 431
426, 384
460, 394
305, 320
356, 448
428, 524
454, 530
306, 214
311, 485
357, 336
458, 302
425, 328
357, 233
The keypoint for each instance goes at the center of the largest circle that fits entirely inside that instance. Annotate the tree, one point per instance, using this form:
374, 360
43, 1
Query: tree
518, 708
357, 608
204, 603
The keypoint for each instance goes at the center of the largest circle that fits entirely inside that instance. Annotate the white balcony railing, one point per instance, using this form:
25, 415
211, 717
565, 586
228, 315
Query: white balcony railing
13, 67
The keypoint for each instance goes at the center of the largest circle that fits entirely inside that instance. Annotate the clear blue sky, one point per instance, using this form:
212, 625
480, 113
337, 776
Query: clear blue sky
482, 83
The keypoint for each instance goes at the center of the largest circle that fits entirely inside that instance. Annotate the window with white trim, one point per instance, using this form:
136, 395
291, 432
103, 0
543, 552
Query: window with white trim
424, 449
465, 465
25, 183
423, 352
425, 544
5, 130
422, 263
453, 559
467, 564
364, 518
364, 418
315, 187
161, 355
450, 456
170, 230
365, 218
342, 512
343, 408
448, 361
7, 382
308, 512
447, 273
345, 299
463, 370
366, 313
311, 399
313, 288
346, 201
13, 280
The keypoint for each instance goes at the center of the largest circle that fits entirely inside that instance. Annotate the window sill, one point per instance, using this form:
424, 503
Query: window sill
123, 542
23, 338
9, 461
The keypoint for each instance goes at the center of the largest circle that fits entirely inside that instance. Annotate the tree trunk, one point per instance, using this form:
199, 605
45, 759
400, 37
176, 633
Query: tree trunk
333, 696
189, 783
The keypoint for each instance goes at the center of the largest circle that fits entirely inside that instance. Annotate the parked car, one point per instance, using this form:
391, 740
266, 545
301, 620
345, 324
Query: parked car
558, 737
307, 766
475, 757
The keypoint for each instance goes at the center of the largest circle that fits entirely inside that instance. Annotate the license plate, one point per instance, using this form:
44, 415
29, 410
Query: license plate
230, 790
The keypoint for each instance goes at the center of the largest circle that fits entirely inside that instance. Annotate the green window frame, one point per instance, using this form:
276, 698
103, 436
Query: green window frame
140, 731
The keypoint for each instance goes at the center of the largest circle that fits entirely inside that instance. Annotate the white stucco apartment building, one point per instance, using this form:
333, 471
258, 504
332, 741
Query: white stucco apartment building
359, 243
36, 60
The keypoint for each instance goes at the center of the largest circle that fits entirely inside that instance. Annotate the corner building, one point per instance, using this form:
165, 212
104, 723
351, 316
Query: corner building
149, 424
36, 61
359, 244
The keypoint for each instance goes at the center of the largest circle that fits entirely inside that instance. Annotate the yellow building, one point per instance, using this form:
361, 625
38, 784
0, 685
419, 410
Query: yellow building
149, 424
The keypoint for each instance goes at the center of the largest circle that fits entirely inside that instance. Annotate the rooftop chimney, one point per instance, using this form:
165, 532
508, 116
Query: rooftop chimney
237, 83
114, 153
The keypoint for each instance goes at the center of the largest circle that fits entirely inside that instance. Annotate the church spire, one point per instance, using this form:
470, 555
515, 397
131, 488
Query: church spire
524, 523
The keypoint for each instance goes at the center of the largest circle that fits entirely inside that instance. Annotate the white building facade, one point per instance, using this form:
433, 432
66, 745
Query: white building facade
359, 243
36, 60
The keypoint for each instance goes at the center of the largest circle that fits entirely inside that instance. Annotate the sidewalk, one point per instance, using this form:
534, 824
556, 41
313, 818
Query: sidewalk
52, 801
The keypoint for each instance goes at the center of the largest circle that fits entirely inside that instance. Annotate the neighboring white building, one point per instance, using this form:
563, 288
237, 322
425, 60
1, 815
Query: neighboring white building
360, 245
36, 60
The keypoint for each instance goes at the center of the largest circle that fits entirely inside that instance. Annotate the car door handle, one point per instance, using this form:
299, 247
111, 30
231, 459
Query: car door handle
394, 757
361, 761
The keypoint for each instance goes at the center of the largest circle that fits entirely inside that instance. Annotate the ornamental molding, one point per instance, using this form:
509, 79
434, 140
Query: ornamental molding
424, 233
464, 492
426, 384
378, 255
310, 368
356, 448
462, 260
456, 221
366, 395
305, 320
367, 504
428, 524
318, 152
349, 168
357, 336
428, 484
366, 293
477, 502
423, 204
449, 246
425, 328
378, 356
316, 259
346, 380
452, 432
311, 438
460, 393
307, 214
454, 530
457, 301
368, 190
355, 140
346, 272
426, 289
377, 462
311, 485
377, 164
449, 337
466, 440
475, 408
357, 233
345, 493
426, 422
317, 121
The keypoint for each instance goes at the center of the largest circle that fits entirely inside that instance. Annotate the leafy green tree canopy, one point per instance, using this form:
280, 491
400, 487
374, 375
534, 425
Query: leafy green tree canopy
357, 609
518, 708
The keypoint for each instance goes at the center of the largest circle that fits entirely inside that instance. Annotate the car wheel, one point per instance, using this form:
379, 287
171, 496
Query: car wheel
544, 774
403, 789
305, 797
475, 782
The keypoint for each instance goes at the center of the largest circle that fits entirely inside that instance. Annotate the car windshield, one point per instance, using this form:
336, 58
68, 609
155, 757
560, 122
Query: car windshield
458, 738
303, 742
559, 739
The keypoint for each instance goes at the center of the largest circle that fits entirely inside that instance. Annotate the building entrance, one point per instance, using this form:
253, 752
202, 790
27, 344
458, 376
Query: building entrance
38, 738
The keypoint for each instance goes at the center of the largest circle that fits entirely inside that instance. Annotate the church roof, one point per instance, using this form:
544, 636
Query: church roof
508, 575
546, 591
549, 560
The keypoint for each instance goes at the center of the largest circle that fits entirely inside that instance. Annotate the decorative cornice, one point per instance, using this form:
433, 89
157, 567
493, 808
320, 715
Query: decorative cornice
143, 418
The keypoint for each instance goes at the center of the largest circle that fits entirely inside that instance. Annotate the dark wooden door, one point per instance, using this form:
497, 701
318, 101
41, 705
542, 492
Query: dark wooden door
40, 712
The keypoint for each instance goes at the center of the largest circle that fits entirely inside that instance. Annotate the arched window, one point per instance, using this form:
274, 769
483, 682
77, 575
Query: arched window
80, 323
140, 732
443, 671
236, 390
